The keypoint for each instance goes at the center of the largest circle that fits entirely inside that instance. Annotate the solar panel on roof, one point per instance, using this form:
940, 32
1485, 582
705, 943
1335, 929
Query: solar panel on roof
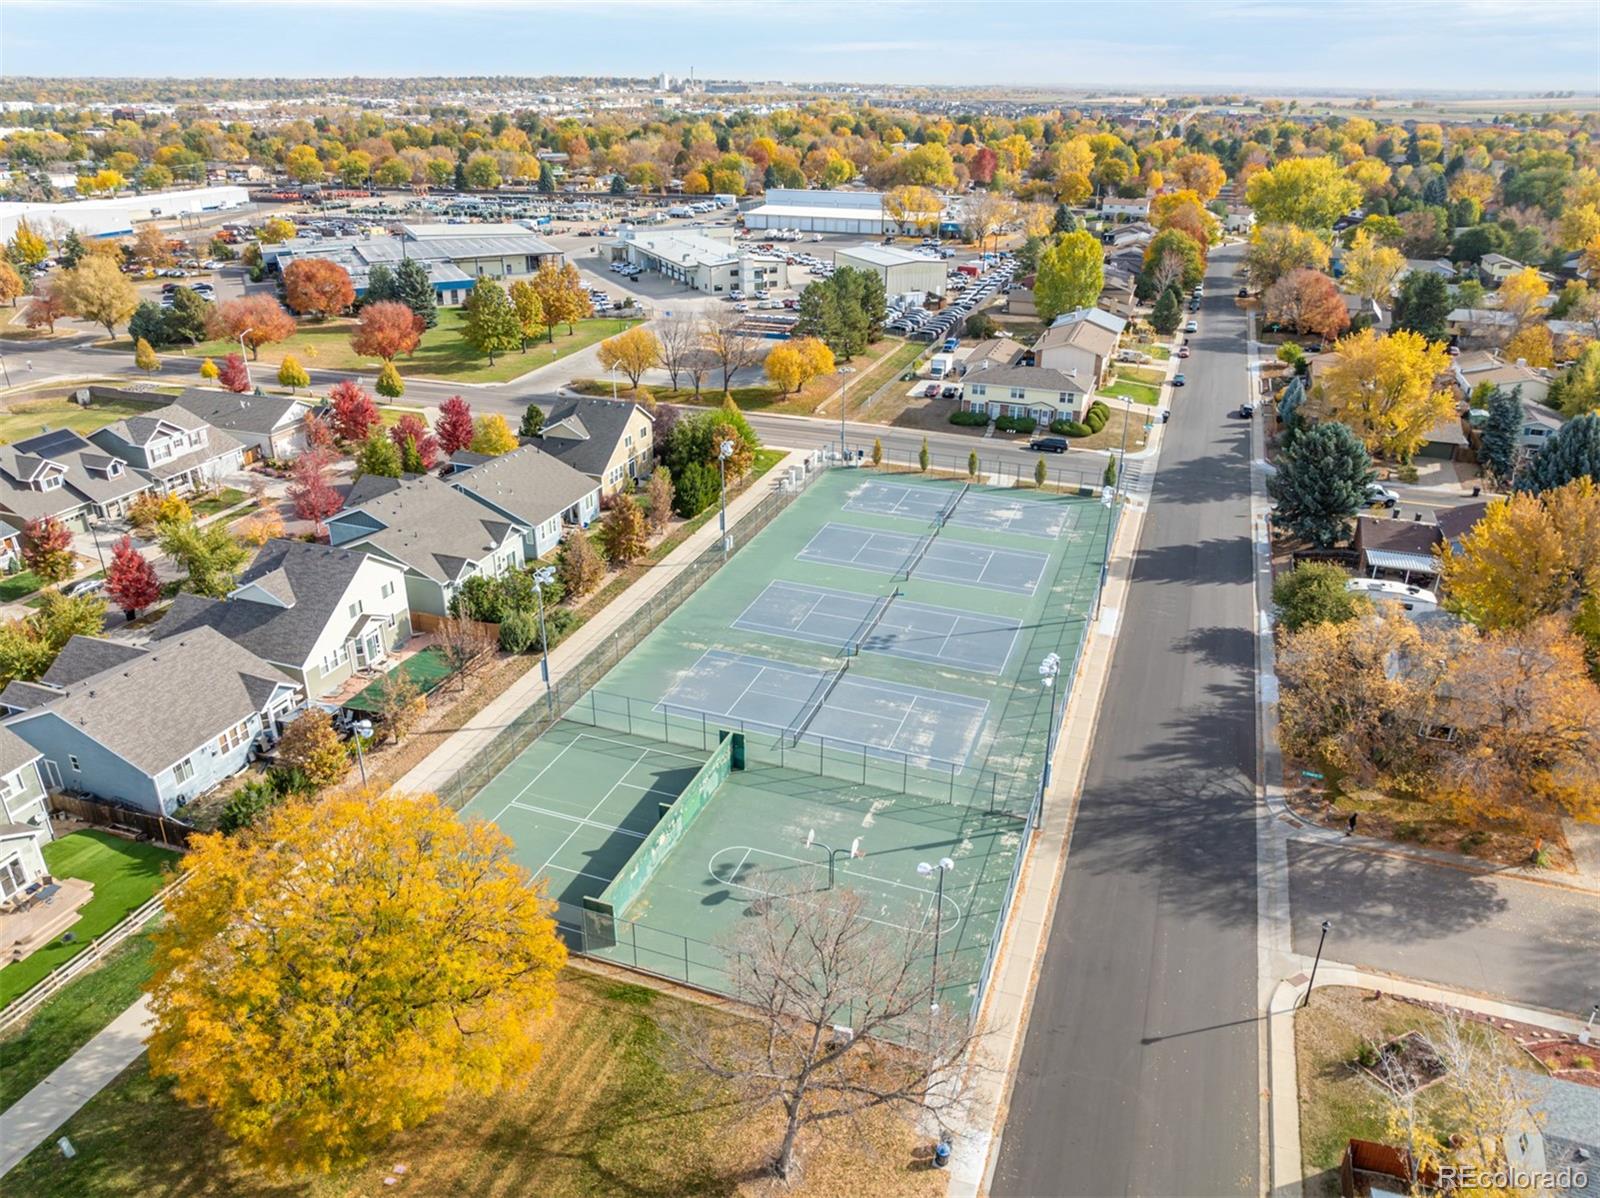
59, 440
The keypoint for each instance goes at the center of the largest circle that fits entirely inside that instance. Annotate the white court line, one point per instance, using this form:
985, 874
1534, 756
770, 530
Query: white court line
590, 817
582, 736
904, 716
581, 874
927, 895
578, 819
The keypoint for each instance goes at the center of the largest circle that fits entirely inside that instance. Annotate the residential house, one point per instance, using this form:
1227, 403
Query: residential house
1442, 267
1138, 234
150, 727
1497, 268
1487, 324
1123, 208
610, 440
1473, 368
174, 447
267, 426
1454, 523
537, 490
10, 547
438, 535
1081, 344
25, 828
1388, 547
319, 613
58, 473
1238, 219
1035, 391
1539, 424
996, 351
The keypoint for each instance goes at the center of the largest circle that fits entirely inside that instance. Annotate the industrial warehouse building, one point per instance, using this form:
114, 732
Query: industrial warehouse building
456, 256
704, 259
115, 216
822, 212
903, 272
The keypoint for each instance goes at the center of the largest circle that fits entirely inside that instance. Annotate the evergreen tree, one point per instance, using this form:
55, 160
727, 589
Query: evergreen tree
1321, 484
187, 318
818, 315
382, 286
414, 289
148, 324
1501, 433
1166, 314
390, 385
72, 250
619, 185
532, 421
1574, 452
1064, 221
1422, 305
694, 488
378, 456
547, 179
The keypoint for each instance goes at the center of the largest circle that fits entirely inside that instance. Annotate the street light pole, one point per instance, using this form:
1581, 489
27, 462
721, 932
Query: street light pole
926, 870
724, 452
1306, 1002
541, 577
1583, 1036
843, 388
362, 729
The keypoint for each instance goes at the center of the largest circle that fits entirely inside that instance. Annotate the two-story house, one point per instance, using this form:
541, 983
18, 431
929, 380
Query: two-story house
25, 826
151, 727
174, 447
1035, 391
610, 440
319, 613
58, 473
535, 489
267, 426
10, 547
438, 535
1081, 344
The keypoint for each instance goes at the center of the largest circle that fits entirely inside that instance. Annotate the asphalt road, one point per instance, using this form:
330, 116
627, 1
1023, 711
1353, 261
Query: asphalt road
1138, 1074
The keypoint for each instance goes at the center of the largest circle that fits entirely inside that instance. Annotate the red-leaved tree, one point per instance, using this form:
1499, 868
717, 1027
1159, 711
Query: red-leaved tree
386, 329
413, 438
354, 412
455, 425
259, 319
1308, 301
47, 548
234, 374
319, 434
317, 287
311, 488
131, 581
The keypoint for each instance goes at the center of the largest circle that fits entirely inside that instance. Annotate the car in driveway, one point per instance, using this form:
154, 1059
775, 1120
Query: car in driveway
1178, 380
1048, 444
1191, 327
931, 391
84, 586
950, 392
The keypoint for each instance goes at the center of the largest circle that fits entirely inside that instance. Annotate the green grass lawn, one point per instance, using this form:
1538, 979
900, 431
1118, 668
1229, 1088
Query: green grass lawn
1128, 389
22, 420
608, 1109
18, 585
72, 1017
443, 354
1141, 374
125, 873
220, 502
1159, 352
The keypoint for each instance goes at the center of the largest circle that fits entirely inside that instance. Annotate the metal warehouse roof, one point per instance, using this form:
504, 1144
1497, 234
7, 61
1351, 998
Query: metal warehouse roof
888, 255
817, 212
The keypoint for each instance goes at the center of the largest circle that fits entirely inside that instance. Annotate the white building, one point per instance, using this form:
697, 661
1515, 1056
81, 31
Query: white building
705, 260
821, 212
115, 216
1126, 209
902, 271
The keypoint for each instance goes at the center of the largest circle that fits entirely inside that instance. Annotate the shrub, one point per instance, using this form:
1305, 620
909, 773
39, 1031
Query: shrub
248, 804
558, 621
1069, 428
694, 489
969, 419
519, 631
1315, 593
1015, 424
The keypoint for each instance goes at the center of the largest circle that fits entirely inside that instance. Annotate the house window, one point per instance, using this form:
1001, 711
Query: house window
6, 788
387, 590
183, 771
1018, 393
334, 660
72, 760
234, 737
355, 609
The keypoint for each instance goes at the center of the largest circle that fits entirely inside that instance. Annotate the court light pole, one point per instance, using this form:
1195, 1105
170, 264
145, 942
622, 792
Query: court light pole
1049, 671
854, 851
926, 870
362, 729
1306, 1001
724, 452
542, 577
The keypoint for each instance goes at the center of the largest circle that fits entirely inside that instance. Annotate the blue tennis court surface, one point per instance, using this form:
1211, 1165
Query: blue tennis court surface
995, 514
1015, 571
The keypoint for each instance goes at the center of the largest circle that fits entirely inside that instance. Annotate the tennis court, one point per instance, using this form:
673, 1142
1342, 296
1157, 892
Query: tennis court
844, 620
1016, 571
1005, 514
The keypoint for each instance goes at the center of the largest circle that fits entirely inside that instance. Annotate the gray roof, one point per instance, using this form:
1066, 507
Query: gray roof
138, 430
86, 475
15, 752
583, 433
1040, 378
528, 483
85, 656
431, 527
157, 708
237, 413
19, 696
310, 580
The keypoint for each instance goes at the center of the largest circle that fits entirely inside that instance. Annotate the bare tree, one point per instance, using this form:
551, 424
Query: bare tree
467, 646
679, 337
1168, 269
697, 363
723, 334
840, 1018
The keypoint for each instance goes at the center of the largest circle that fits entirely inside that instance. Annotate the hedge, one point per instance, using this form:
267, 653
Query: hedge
970, 419
1014, 424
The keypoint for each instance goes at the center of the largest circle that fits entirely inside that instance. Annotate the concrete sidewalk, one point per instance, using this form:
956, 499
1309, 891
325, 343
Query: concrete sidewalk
34, 1117
475, 735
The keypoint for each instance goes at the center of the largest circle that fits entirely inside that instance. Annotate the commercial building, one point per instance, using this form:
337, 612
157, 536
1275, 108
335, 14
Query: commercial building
822, 212
706, 259
903, 271
115, 216
456, 256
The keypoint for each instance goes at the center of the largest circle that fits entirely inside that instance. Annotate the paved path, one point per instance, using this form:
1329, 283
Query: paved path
1139, 1073
34, 1117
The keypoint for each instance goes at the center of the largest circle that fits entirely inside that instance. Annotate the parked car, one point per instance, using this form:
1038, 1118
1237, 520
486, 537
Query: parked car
1246, 410
84, 586
1178, 380
951, 392
931, 391
1191, 327
1183, 351
1048, 444
1379, 495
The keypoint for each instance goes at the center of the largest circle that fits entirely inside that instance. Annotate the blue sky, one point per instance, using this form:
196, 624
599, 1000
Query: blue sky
1395, 44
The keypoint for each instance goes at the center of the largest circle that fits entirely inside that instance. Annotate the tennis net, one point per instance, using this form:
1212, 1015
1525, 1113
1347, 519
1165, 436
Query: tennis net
809, 711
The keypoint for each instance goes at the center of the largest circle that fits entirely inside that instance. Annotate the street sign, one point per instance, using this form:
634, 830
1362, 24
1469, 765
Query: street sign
1311, 774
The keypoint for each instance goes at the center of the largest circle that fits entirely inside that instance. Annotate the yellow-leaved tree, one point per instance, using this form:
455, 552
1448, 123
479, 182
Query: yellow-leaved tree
1309, 192
632, 351
1387, 389
1371, 269
914, 209
1522, 295
492, 436
340, 972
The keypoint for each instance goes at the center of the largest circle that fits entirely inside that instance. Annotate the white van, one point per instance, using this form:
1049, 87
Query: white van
1383, 590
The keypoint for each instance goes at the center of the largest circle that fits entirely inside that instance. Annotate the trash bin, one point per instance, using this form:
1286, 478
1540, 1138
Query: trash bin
941, 1154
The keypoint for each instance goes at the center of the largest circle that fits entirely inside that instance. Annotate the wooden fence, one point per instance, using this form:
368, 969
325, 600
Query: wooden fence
172, 833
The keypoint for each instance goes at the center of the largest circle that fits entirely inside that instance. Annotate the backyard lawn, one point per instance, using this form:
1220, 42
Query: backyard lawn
220, 502
19, 421
443, 354
608, 1110
1129, 389
16, 586
125, 873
